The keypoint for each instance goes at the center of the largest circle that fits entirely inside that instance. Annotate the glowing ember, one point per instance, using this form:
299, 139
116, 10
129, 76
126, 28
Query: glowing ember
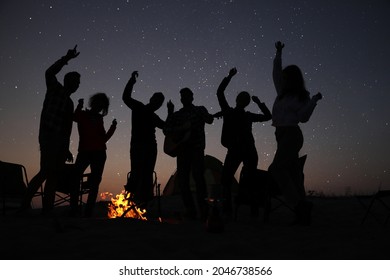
105, 195
123, 207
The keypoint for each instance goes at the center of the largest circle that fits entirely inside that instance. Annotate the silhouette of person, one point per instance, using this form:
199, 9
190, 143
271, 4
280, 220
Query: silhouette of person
191, 119
92, 147
237, 137
54, 131
143, 146
292, 106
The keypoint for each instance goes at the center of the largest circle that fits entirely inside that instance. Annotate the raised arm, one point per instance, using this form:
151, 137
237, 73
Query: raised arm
277, 68
169, 125
111, 130
266, 116
171, 108
127, 93
53, 70
307, 110
222, 87
77, 112
208, 118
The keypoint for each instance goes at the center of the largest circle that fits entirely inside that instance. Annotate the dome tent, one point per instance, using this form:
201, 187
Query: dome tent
213, 174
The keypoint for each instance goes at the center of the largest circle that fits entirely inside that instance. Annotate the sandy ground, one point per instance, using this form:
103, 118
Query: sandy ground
336, 233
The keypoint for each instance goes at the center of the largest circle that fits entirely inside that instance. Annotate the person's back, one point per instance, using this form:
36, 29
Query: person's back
144, 119
144, 122
143, 145
90, 123
237, 129
91, 131
57, 111
92, 148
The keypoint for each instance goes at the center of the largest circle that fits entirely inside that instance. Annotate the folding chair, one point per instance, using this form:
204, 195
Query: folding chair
275, 198
264, 193
67, 181
378, 197
251, 192
13, 185
156, 190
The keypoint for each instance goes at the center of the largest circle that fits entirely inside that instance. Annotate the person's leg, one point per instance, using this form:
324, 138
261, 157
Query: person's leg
33, 186
287, 173
46, 155
136, 167
249, 169
143, 160
183, 177
283, 165
230, 166
55, 167
83, 160
148, 174
250, 160
200, 182
98, 160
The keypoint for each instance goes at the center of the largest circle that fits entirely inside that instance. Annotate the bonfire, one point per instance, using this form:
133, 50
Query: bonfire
123, 207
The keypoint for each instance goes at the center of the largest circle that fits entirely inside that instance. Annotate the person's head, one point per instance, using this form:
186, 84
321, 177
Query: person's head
99, 103
156, 101
186, 96
243, 99
293, 82
71, 82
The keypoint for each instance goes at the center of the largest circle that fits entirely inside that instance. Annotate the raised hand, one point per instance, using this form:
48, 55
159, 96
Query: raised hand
72, 53
256, 99
218, 115
69, 157
81, 102
232, 72
279, 46
317, 97
114, 122
171, 107
134, 75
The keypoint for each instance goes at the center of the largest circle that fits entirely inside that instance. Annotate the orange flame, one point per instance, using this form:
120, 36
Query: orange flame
123, 206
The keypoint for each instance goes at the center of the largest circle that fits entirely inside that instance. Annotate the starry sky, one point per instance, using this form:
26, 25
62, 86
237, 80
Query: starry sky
341, 47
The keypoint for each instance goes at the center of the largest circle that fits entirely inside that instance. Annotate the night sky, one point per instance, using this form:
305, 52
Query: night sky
341, 46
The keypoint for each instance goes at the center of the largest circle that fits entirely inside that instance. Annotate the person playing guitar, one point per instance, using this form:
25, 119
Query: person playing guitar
185, 140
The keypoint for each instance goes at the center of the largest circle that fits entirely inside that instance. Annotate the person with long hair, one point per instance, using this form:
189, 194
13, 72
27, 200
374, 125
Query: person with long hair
92, 146
292, 106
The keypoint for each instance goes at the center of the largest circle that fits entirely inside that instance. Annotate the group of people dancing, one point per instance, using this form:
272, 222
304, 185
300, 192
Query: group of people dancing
184, 131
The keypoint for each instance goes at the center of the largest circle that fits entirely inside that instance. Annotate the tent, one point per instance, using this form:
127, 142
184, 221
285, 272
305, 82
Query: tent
213, 172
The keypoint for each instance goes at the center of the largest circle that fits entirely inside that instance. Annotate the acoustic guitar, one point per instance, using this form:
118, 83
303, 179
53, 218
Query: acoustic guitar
174, 142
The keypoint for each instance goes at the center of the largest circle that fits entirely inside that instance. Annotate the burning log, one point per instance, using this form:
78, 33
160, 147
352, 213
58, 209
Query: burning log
122, 206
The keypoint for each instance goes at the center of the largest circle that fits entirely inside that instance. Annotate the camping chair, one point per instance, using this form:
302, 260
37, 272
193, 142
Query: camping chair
156, 190
378, 197
251, 192
13, 185
275, 197
212, 172
63, 191
263, 193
